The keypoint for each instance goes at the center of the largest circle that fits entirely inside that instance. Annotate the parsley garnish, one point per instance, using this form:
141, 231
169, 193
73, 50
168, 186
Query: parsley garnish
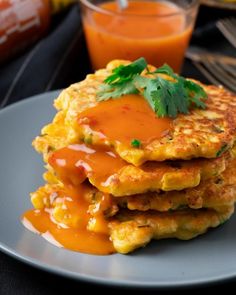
167, 93
136, 143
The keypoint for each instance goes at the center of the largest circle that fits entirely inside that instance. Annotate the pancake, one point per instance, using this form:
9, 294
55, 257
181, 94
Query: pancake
216, 193
132, 229
110, 174
201, 133
206, 195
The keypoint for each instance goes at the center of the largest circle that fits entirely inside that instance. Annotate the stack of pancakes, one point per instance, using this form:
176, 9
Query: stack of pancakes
176, 186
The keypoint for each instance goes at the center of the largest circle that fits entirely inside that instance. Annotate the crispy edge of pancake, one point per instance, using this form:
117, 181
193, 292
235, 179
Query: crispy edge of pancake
209, 197
214, 193
169, 176
132, 230
201, 133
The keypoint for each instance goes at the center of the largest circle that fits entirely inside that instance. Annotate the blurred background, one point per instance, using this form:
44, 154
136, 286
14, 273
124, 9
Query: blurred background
47, 50
42, 45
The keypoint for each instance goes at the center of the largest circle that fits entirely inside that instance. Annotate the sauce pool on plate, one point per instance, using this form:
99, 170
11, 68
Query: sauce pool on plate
71, 233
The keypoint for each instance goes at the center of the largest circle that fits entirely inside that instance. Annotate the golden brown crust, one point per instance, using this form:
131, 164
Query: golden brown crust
166, 176
205, 195
132, 230
216, 193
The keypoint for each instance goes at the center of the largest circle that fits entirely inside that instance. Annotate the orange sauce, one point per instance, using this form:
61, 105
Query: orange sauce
73, 164
125, 119
75, 237
138, 30
70, 238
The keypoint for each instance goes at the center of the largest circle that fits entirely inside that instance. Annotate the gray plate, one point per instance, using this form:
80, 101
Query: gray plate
171, 263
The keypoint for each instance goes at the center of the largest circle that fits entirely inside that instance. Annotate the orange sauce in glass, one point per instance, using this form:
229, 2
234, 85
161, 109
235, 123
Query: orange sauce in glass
139, 30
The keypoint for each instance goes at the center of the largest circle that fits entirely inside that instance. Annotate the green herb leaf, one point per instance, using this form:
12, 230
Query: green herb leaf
222, 150
166, 96
165, 69
107, 91
123, 74
136, 143
195, 93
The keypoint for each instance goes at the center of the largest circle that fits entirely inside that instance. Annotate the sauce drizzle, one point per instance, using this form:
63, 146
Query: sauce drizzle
125, 119
67, 227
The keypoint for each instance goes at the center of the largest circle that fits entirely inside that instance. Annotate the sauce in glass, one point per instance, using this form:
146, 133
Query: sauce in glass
157, 31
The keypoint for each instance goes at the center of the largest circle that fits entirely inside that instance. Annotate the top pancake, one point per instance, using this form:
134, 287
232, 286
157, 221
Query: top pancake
201, 133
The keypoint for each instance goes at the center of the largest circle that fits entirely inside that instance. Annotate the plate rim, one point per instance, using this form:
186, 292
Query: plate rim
112, 282
121, 283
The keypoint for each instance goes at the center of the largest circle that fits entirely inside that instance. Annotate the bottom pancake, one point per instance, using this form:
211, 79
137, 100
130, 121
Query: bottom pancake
130, 230
87, 208
216, 195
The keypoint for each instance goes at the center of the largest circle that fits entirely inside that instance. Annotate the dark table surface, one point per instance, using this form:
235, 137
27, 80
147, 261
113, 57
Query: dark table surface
71, 63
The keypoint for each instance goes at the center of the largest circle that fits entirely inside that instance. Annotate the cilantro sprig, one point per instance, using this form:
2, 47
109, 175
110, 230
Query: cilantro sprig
167, 93
121, 81
124, 74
